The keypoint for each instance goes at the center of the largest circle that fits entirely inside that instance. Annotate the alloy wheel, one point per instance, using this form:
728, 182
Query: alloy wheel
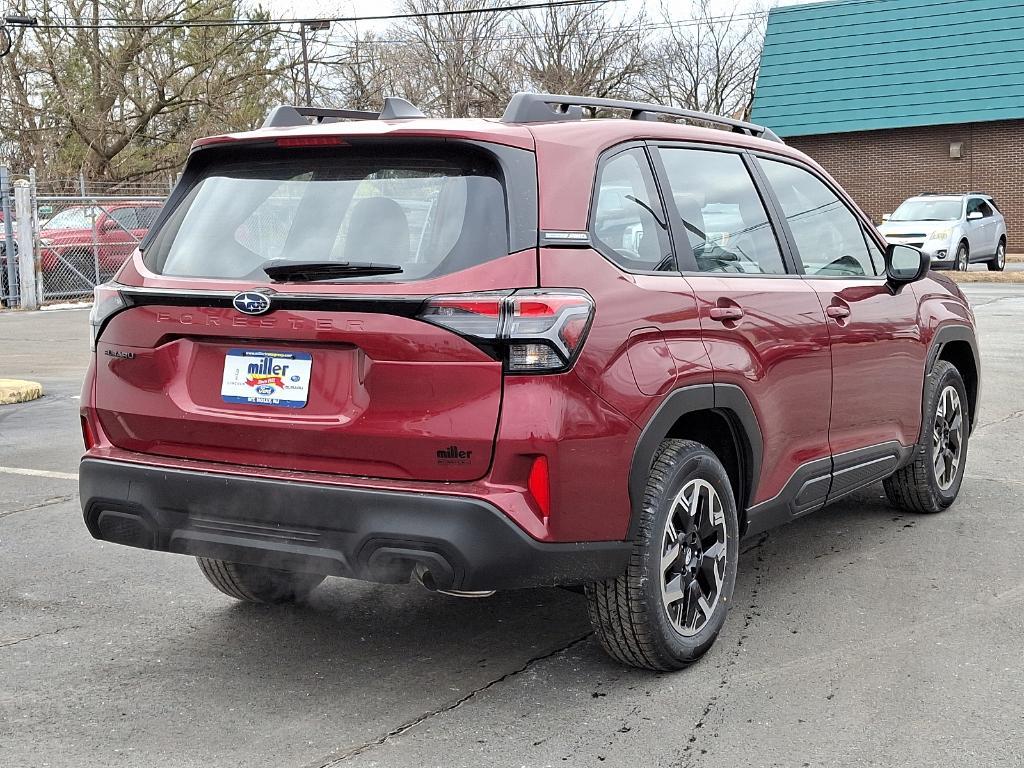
947, 437
962, 260
694, 556
1001, 256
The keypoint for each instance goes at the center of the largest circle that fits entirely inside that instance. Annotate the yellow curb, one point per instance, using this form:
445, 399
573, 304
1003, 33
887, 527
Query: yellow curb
17, 391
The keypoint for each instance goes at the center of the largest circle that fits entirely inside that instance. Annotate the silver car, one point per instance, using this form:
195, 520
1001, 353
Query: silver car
955, 230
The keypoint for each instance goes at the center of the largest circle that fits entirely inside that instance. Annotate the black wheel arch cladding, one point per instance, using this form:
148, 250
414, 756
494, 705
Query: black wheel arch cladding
957, 344
727, 401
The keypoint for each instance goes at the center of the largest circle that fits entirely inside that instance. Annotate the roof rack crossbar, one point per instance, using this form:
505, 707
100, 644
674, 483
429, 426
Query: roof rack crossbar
286, 116
546, 107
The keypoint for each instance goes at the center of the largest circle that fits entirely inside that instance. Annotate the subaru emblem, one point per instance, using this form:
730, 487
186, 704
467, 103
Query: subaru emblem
251, 303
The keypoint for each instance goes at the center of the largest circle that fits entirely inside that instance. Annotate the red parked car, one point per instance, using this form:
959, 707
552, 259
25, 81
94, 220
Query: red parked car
490, 354
111, 231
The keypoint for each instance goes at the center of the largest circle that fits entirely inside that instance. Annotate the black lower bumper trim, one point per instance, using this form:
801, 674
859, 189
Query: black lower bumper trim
373, 535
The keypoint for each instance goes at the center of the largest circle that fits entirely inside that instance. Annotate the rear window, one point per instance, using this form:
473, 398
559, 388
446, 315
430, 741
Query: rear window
429, 212
73, 218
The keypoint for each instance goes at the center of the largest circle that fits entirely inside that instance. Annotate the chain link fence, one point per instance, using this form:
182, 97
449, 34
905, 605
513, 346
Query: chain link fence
80, 237
84, 240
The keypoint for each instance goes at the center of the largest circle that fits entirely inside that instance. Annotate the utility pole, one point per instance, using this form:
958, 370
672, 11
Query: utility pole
9, 251
313, 25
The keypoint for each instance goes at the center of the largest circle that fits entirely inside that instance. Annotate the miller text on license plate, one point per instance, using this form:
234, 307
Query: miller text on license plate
266, 378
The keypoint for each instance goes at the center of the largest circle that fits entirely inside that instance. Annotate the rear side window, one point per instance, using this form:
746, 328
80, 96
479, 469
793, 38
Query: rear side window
429, 212
829, 236
628, 220
722, 214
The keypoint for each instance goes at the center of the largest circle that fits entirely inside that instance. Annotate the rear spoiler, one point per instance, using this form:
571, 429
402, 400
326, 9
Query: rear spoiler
286, 116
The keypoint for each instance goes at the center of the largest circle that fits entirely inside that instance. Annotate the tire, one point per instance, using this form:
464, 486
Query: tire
963, 258
922, 486
256, 584
631, 613
998, 264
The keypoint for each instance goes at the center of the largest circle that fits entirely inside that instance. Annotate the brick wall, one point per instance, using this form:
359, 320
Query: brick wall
880, 169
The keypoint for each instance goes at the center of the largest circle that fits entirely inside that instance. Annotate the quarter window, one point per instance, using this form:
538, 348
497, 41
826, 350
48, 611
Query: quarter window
721, 212
629, 222
829, 236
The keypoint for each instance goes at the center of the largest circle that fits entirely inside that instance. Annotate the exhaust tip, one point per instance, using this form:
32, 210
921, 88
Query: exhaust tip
422, 574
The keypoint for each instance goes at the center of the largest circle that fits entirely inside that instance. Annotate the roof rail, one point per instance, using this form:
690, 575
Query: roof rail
284, 116
544, 108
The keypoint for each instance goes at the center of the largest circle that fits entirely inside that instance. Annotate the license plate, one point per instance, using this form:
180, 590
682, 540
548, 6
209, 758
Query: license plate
266, 378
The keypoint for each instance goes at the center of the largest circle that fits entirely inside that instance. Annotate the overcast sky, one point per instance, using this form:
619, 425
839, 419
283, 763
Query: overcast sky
313, 8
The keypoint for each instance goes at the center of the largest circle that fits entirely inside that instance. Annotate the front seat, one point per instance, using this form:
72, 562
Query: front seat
378, 231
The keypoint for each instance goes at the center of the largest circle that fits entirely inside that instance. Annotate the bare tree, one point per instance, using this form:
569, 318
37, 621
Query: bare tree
707, 62
124, 101
376, 65
581, 50
463, 59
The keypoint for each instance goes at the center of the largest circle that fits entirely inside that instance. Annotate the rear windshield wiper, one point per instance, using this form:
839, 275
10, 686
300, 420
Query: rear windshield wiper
311, 271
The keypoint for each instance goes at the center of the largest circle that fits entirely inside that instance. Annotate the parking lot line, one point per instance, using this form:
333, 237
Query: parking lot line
39, 473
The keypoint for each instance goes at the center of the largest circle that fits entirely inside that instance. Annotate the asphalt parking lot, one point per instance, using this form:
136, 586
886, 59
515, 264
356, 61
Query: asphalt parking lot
860, 636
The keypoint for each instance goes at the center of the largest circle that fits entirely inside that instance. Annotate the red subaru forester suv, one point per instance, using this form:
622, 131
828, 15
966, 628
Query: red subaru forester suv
528, 351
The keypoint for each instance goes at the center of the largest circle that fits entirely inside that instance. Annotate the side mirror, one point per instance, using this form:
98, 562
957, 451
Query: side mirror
975, 215
109, 225
905, 264
886, 216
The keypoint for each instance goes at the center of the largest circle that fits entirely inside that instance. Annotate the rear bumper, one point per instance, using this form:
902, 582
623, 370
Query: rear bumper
374, 535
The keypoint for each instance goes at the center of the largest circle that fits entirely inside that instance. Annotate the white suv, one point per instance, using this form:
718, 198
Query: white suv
955, 230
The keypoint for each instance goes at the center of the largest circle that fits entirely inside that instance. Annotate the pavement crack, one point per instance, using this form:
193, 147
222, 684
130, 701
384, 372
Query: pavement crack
8, 643
409, 725
48, 503
1010, 417
753, 611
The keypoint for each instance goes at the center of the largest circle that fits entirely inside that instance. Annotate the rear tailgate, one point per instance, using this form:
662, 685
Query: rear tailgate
338, 376
388, 396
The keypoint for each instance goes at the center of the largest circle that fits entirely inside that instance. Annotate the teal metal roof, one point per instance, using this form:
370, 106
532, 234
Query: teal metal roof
860, 65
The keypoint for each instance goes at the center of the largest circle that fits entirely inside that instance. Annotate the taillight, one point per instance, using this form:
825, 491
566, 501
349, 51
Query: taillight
542, 330
107, 301
478, 315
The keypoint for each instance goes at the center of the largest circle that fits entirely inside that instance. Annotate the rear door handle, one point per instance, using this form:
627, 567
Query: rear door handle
838, 312
724, 314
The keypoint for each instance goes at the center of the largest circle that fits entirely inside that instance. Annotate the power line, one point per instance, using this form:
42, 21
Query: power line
141, 24
608, 32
